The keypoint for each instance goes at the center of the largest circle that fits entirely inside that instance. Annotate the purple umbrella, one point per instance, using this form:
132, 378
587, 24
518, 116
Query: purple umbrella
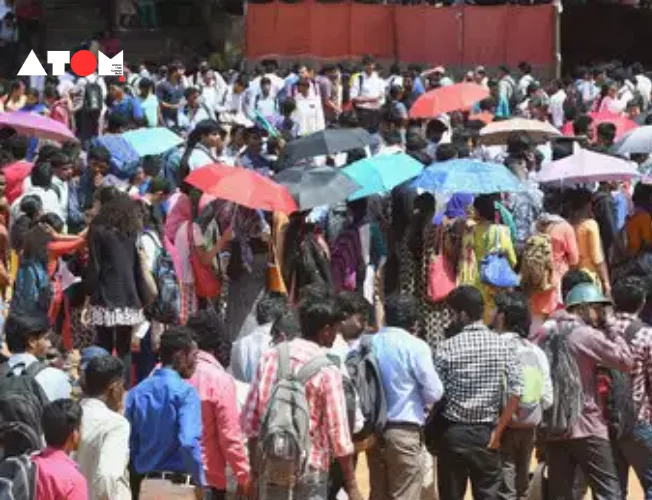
586, 166
33, 125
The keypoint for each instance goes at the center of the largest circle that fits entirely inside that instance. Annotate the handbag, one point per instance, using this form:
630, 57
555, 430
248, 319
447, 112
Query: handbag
275, 281
495, 270
441, 277
435, 427
207, 285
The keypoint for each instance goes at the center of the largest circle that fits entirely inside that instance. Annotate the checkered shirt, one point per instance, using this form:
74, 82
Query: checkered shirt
476, 366
641, 374
329, 426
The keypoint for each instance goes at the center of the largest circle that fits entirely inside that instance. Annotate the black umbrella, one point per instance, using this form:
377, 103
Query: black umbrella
325, 142
316, 186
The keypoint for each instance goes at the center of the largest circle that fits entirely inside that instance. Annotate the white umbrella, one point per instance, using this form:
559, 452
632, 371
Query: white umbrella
497, 133
586, 166
638, 140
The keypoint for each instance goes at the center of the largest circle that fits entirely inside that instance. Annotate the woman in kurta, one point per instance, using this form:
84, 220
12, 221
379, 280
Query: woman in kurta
638, 225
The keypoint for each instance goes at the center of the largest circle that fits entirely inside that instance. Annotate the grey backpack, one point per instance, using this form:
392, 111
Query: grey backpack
284, 441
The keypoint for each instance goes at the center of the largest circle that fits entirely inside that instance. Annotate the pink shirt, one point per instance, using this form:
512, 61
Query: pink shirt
222, 437
57, 477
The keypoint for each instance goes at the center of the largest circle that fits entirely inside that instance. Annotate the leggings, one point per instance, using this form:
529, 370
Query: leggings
117, 338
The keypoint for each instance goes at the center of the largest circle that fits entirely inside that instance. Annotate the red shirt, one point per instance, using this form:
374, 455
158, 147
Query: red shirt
15, 174
57, 477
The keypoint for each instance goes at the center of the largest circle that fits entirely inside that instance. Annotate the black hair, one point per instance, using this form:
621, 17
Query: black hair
314, 290
174, 340
159, 185
573, 278
607, 132
18, 145
41, 175
119, 214
145, 83
23, 325
445, 152
315, 314
525, 67
642, 195
60, 419
485, 206
286, 325
423, 210
116, 122
467, 299
191, 91
514, 305
209, 333
100, 373
50, 92
31, 205
151, 165
367, 60
201, 130
629, 294
99, 153
401, 311
351, 303
271, 307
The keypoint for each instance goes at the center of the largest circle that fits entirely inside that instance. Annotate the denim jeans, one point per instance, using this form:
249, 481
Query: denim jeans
636, 449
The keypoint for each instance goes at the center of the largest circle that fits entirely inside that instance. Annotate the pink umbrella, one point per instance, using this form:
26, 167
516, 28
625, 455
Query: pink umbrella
586, 166
623, 124
33, 125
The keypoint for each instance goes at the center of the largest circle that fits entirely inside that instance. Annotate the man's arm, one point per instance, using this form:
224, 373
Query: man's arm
190, 429
113, 461
432, 389
614, 354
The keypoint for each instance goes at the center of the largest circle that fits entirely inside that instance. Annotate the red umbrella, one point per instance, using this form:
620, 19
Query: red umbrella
461, 96
623, 124
242, 186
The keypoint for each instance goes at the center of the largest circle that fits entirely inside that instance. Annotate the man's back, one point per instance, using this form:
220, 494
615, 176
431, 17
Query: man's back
57, 477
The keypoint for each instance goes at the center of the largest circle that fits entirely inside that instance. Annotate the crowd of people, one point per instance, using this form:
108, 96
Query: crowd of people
156, 334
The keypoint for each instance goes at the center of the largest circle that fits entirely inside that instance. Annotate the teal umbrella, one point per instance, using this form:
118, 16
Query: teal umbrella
152, 141
378, 174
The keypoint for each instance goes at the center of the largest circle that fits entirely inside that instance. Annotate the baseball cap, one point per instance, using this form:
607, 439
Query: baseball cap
89, 353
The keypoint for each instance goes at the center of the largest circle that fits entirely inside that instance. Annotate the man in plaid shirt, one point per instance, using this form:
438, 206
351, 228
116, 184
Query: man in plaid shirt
474, 366
329, 426
636, 448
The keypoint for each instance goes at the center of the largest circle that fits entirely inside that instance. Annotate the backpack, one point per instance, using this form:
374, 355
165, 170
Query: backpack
559, 419
536, 263
166, 308
620, 408
284, 442
18, 478
22, 398
363, 370
93, 98
32, 288
346, 260
529, 412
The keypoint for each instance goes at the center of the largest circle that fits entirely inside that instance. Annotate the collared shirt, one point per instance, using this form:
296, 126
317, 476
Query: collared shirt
329, 426
408, 374
222, 437
474, 366
54, 382
247, 352
169, 93
557, 101
368, 86
103, 454
166, 427
641, 374
57, 477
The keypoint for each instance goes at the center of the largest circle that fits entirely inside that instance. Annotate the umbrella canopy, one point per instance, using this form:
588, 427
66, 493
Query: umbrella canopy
325, 142
467, 176
588, 166
34, 125
378, 174
242, 186
638, 140
498, 132
152, 141
623, 125
460, 96
316, 186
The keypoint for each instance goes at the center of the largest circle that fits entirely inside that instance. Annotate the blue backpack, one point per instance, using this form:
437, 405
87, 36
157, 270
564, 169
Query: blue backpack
32, 288
166, 308
125, 161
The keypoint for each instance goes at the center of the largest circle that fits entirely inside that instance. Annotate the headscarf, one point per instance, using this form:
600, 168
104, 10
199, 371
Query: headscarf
456, 207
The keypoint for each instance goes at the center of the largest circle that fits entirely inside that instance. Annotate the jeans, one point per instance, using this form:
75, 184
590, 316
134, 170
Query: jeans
594, 456
636, 450
145, 359
464, 455
515, 455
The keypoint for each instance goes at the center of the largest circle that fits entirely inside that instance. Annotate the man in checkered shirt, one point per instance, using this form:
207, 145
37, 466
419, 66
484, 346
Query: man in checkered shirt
629, 295
474, 366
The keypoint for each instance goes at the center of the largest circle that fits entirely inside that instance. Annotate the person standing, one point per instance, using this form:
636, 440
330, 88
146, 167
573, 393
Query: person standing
103, 453
170, 95
475, 365
411, 384
165, 416
368, 95
222, 435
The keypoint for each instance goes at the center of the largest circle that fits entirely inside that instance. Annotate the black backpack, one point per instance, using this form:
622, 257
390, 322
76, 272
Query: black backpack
93, 97
363, 370
18, 478
22, 398
620, 408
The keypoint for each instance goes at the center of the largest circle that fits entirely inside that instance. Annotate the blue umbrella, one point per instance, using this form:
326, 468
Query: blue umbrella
152, 141
378, 174
467, 176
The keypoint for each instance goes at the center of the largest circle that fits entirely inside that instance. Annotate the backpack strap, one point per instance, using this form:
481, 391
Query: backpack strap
284, 368
312, 367
34, 369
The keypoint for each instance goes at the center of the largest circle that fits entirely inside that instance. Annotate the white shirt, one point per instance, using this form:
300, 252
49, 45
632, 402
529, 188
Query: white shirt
557, 101
523, 84
309, 114
80, 87
200, 157
54, 382
369, 86
644, 87
277, 84
247, 352
103, 454
48, 197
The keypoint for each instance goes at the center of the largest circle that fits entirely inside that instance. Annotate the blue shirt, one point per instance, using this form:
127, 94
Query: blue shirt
622, 208
129, 107
408, 374
165, 416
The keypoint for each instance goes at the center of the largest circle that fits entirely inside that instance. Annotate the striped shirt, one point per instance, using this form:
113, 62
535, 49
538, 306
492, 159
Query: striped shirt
329, 427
